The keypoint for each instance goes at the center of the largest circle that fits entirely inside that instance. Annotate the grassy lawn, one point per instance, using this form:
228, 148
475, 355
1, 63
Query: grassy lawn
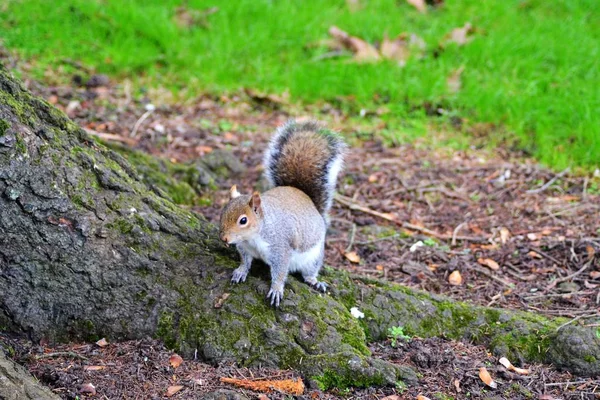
533, 66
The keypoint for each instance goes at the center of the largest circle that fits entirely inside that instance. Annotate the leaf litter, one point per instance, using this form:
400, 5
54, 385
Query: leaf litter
464, 195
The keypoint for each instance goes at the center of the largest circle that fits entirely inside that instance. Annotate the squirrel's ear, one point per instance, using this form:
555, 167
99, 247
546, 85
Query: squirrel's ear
233, 192
255, 202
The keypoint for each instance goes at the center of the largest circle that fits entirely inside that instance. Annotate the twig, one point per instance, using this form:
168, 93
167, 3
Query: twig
569, 383
577, 318
390, 217
573, 275
492, 276
139, 121
549, 183
111, 137
455, 232
351, 241
61, 354
381, 239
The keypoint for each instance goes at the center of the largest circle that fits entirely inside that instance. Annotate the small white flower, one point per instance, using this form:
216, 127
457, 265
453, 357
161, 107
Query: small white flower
356, 313
415, 246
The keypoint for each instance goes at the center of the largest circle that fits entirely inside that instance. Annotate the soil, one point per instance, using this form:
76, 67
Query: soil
519, 235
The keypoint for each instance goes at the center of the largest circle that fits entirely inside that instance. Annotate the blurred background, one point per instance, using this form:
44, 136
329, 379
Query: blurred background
524, 74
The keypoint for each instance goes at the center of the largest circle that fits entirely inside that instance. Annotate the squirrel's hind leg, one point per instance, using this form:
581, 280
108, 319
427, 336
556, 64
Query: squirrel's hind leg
311, 273
241, 272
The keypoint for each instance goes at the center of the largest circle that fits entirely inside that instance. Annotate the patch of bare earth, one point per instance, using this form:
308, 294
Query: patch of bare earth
518, 235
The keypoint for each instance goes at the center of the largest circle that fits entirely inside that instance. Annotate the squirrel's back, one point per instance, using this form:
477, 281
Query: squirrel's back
308, 157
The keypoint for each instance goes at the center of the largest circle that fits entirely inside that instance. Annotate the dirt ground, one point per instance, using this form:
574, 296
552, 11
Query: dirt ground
519, 235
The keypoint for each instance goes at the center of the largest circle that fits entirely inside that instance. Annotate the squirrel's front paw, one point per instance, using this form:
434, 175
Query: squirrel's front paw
239, 275
275, 294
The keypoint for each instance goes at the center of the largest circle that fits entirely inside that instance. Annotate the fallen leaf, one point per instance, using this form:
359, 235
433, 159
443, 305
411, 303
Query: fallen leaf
353, 257
420, 397
175, 360
504, 235
595, 274
488, 262
93, 367
453, 81
395, 49
591, 252
362, 50
392, 397
171, 390
87, 388
353, 5
418, 4
220, 300
533, 254
379, 267
455, 278
485, 376
508, 365
462, 35
289, 386
102, 343
457, 385
532, 236
373, 178
263, 397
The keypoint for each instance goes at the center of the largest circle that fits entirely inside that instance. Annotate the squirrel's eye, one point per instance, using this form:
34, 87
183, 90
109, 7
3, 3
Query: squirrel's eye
243, 221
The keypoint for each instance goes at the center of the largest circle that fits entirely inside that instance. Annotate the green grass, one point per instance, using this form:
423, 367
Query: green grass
533, 67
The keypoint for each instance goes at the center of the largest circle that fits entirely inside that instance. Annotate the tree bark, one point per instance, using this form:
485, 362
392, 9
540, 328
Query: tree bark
17, 384
90, 247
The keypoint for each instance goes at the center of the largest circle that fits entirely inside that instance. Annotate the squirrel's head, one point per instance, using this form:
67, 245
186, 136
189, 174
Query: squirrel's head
240, 218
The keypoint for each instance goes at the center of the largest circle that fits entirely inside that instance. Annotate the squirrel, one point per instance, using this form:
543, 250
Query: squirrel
285, 226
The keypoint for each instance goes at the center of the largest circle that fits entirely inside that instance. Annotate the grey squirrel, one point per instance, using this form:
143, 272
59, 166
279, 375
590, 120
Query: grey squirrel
286, 225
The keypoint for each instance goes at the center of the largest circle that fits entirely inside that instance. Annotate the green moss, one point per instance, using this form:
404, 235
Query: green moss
340, 379
589, 358
121, 225
4, 126
166, 330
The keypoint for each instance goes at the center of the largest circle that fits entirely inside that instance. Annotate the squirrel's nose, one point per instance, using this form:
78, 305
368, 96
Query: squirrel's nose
224, 237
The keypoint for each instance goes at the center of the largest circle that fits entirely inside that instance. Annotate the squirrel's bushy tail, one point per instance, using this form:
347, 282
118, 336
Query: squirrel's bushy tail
308, 157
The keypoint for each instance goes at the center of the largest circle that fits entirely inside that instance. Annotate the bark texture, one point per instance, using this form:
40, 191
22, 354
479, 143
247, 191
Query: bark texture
17, 384
93, 246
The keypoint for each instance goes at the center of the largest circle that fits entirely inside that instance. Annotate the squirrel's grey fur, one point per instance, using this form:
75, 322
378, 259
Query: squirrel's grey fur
285, 226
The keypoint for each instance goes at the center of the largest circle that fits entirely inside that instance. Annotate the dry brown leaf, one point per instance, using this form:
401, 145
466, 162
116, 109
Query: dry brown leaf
102, 343
175, 360
395, 49
591, 252
220, 300
533, 254
504, 235
353, 257
171, 390
488, 262
457, 385
508, 365
420, 397
362, 50
87, 388
455, 278
263, 397
93, 367
379, 267
595, 274
453, 81
418, 4
392, 397
373, 178
462, 35
289, 386
353, 5
485, 376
